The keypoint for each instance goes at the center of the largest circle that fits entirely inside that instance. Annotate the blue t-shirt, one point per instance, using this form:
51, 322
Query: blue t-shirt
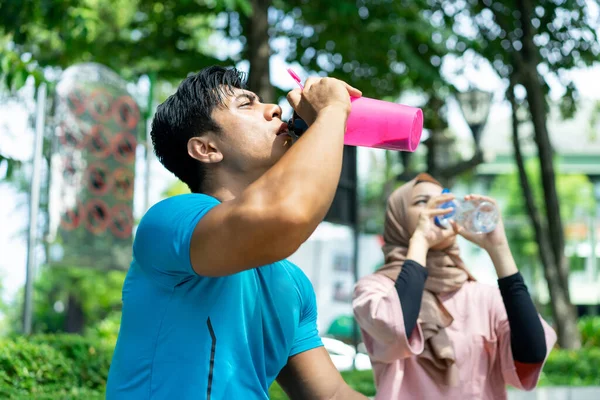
184, 336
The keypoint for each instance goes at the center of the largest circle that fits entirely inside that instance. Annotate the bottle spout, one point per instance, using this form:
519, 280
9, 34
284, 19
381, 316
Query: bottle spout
296, 127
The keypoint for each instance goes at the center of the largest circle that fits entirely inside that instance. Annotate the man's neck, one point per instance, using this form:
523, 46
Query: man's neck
228, 187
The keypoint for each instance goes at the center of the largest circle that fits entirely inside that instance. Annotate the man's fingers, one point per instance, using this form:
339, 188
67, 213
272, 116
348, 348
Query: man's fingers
352, 91
310, 81
294, 97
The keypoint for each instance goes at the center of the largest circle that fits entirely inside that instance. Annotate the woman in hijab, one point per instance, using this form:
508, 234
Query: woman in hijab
432, 331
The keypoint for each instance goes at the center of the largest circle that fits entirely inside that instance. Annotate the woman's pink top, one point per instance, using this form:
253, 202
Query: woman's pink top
480, 335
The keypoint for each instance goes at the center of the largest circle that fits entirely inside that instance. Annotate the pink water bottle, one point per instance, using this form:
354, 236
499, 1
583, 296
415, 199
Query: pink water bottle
375, 123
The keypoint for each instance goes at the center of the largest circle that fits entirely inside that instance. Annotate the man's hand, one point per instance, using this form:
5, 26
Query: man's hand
312, 376
319, 94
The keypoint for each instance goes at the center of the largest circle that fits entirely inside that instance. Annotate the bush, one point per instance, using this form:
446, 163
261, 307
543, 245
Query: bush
71, 367
106, 330
590, 331
25, 367
89, 357
54, 367
563, 368
572, 368
361, 381
54, 392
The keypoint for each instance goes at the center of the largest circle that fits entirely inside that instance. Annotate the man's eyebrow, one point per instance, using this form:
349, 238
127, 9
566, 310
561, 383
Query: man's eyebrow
250, 96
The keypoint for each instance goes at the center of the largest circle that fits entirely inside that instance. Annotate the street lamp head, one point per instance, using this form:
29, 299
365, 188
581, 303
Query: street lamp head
475, 106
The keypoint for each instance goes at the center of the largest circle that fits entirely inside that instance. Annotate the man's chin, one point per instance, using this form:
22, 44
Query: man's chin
283, 142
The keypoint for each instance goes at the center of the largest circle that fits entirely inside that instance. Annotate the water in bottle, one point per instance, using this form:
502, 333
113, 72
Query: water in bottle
475, 216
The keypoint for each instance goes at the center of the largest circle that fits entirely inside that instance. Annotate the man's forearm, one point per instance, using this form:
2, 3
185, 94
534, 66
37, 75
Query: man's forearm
303, 182
347, 393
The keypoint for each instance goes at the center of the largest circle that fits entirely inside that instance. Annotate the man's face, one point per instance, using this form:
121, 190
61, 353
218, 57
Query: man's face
253, 136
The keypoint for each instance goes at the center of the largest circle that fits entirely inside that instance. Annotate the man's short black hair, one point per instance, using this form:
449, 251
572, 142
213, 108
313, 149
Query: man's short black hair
187, 114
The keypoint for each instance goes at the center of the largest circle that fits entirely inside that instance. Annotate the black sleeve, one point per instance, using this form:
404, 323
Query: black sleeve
527, 338
409, 285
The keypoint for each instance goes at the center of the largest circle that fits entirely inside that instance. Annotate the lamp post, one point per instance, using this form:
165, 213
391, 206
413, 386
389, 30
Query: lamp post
475, 106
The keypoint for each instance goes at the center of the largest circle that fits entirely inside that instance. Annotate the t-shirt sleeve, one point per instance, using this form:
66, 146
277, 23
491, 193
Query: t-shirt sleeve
162, 240
307, 334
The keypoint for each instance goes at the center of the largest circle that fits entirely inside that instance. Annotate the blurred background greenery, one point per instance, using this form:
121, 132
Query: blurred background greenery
423, 52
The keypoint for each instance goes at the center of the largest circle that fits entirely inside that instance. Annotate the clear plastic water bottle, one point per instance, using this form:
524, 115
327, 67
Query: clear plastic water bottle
475, 216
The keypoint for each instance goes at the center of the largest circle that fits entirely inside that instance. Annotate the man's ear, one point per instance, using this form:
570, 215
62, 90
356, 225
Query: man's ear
204, 149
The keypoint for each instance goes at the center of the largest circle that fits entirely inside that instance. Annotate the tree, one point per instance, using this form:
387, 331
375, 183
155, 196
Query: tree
165, 39
258, 49
13, 74
96, 293
131, 37
575, 193
385, 49
520, 39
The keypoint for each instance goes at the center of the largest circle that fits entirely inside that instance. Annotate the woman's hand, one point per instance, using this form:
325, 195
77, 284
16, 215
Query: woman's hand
427, 234
494, 242
487, 241
427, 229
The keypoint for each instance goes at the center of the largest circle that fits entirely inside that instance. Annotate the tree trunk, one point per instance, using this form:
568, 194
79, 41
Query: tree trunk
559, 297
75, 318
259, 50
532, 81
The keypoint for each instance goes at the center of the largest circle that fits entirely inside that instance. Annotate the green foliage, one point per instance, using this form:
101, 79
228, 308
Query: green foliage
25, 366
361, 381
107, 330
565, 36
15, 69
97, 292
383, 48
590, 331
122, 34
89, 358
276, 392
563, 368
76, 367
8, 166
375, 191
14, 72
54, 393
176, 188
572, 368
575, 193
53, 366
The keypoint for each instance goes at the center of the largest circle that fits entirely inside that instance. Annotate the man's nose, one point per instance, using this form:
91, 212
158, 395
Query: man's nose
272, 111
